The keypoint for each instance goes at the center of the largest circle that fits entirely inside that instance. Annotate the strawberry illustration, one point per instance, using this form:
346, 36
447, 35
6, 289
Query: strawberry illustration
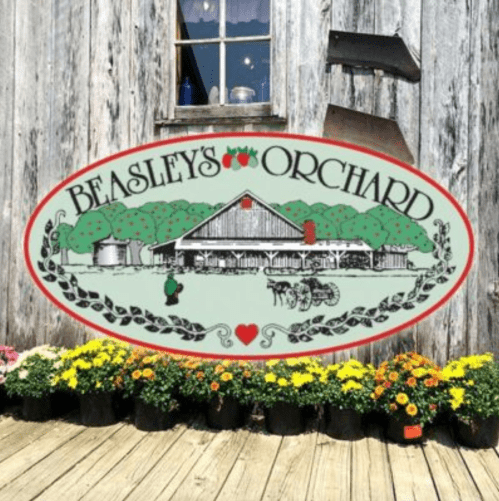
253, 161
227, 160
243, 157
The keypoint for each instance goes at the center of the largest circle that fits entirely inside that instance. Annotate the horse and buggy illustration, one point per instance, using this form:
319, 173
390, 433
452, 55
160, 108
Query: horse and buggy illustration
305, 293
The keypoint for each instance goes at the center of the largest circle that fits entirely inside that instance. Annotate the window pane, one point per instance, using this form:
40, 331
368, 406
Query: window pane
248, 72
199, 70
247, 18
198, 19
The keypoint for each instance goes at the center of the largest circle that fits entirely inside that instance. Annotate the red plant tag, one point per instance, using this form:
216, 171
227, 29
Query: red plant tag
413, 431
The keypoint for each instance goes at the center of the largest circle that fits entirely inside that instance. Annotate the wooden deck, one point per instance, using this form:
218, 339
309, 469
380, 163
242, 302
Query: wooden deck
64, 460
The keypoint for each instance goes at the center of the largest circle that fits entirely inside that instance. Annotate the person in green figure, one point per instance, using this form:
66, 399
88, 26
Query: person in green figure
172, 290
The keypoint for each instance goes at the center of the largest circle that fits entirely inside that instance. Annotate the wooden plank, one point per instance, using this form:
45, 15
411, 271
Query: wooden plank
208, 475
292, 470
249, 475
68, 126
170, 471
149, 69
24, 459
371, 477
484, 199
279, 57
448, 470
444, 144
398, 99
27, 308
411, 478
110, 77
87, 472
63, 457
7, 99
128, 473
483, 466
20, 435
331, 469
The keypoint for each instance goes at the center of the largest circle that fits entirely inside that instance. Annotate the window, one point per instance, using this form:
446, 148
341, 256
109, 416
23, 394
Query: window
234, 45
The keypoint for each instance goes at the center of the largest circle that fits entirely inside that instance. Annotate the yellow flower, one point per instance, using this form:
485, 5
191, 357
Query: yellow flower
470, 382
136, 374
453, 370
402, 398
282, 382
147, 360
271, 363
270, 377
219, 369
298, 379
73, 382
55, 381
98, 384
457, 395
118, 360
411, 409
419, 372
226, 376
69, 373
148, 373
292, 362
98, 362
351, 385
226, 363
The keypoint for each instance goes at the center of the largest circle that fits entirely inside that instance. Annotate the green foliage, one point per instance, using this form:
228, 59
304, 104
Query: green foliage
383, 213
33, 375
63, 232
201, 209
405, 232
159, 211
324, 229
204, 380
340, 213
366, 228
180, 205
91, 227
277, 207
112, 210
319, 207
295, 211
134, 224
176, 225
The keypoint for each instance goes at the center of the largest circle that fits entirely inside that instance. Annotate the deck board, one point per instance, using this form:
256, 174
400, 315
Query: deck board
63, 461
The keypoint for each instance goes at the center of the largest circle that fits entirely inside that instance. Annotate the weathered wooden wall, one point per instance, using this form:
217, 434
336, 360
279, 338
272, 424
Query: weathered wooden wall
83, 79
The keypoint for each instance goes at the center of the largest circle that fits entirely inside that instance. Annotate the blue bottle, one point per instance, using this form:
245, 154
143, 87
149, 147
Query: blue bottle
186, 96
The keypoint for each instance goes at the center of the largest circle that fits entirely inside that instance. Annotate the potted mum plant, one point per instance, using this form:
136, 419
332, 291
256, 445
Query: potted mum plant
409, 392
284, 388
223, 386
90, 372
30, 379
472, 385
152, 379
8, 357
346, 397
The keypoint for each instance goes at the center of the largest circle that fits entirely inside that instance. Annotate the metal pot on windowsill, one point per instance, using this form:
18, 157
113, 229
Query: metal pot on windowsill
242, 95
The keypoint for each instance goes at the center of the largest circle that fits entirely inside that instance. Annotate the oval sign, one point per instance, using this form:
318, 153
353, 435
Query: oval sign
249, 245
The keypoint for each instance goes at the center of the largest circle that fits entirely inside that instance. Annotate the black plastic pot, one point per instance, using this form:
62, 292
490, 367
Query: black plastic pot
478, 433
97, 409
3, 398
344, 424
403, 431
37, 409
151, 418
224, 414
285, 419
63, 403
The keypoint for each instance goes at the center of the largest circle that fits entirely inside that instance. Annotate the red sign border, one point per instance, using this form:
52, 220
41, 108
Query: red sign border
300, 137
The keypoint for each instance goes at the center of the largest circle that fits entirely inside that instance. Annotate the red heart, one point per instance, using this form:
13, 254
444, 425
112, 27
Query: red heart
247, 333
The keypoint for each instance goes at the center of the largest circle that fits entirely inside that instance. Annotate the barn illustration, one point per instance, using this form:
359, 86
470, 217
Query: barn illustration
249, 233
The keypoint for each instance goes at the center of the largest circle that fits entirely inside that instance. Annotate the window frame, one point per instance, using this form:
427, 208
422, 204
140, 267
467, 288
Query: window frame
274, 111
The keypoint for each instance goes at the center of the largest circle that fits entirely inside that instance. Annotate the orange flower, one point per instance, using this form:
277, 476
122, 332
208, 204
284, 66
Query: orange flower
214, 386
379, 390
393, 407
200, 374
226, 376
430, 382
136, 374
219, 369
387, 384
402, 398
374, 396
393, 376
411, 382
118, 381
407, 366
411, 409
148, 373
246, 374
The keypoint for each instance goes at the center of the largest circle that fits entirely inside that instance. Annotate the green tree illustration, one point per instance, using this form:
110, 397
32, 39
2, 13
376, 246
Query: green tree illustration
324, 229
112, 210
158, 210
138, 228
201, 209
366, 228
90, 228
295, 211
340, 213
176, 225
180, 205
406, 235
319, 207
63, 232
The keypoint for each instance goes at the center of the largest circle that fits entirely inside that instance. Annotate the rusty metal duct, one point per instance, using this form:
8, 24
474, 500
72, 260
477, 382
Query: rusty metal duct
380, 134
388, 53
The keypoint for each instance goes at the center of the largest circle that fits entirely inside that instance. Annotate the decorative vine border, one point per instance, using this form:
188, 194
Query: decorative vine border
111, 312
306, 331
